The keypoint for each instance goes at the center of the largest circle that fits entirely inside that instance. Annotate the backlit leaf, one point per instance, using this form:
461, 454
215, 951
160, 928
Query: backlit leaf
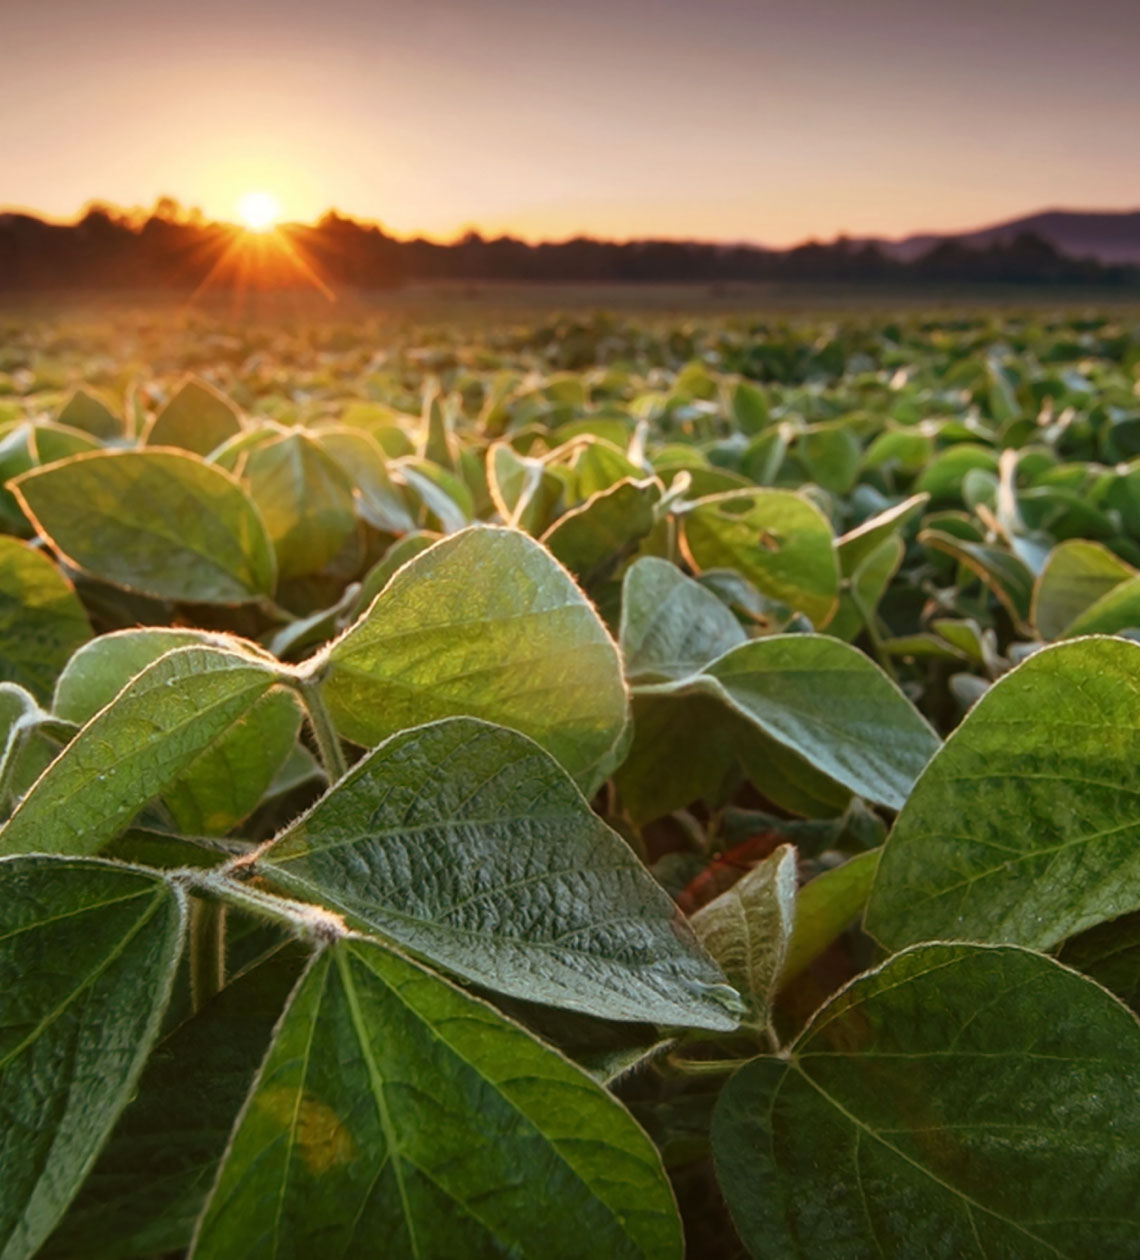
485, 623
134, 749
155, 521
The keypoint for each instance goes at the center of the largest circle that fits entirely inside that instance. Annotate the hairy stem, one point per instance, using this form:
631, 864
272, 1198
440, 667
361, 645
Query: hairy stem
207, 950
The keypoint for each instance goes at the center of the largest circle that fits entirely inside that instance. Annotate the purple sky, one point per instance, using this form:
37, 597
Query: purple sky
766, 120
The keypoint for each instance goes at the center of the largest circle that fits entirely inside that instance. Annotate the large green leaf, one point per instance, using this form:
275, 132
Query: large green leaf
397, 1115
198, 418
484, 623
41, 619
87, 955
469, 844
778, 540
151, 1180
1024, 828
824, 701
305, 499
958, 1101
155, 521
671, 626
135, 748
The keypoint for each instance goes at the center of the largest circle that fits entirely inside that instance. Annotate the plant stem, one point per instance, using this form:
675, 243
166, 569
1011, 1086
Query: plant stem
221, 886
328, 742
207, 950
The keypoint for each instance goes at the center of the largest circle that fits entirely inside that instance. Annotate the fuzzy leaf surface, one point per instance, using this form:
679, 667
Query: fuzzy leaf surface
470, 845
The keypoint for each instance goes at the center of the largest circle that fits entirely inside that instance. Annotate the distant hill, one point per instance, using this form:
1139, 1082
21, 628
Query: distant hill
1109, 236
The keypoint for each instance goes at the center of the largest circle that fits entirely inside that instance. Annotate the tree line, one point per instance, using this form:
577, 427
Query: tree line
169, 248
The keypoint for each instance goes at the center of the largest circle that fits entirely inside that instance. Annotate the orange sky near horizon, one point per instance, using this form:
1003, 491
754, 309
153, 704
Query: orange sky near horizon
762, 120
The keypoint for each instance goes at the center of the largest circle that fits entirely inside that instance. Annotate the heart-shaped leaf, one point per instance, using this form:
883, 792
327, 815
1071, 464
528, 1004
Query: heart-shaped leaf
470, 845
397, 1113
198, 418
484, 623
159, 522
825, 702
671, 626
778, 540
958, 1101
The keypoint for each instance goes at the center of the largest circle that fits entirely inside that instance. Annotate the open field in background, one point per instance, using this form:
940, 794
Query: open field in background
654, 762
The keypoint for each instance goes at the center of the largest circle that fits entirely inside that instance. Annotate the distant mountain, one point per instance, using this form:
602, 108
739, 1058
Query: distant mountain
1109, 236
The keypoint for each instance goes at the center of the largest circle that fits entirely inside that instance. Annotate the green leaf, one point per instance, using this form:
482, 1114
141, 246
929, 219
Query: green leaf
91, 415
445, 498
865, 588
198, 418
150, 1183
57, 441
824, 701
87, 956
305, 499
157, 522
825, 907
396, 1111
666, 768
747, 929
378, 498
831, 454
469, 845
671, 626
525, 494
137, 747
750, 407
1024, 827
591, 539
1115, 611
1075, 576
778, 540
485, 623
957, 1101
41, 619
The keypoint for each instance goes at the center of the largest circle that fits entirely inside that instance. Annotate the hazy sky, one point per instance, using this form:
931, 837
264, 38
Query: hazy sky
765, 120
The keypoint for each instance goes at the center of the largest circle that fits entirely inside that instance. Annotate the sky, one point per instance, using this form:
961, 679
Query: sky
770, 121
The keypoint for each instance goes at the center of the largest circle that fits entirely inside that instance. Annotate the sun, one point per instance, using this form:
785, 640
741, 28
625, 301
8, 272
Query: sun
259, 211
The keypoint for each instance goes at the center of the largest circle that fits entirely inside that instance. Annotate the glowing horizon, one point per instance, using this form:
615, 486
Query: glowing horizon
766, 121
